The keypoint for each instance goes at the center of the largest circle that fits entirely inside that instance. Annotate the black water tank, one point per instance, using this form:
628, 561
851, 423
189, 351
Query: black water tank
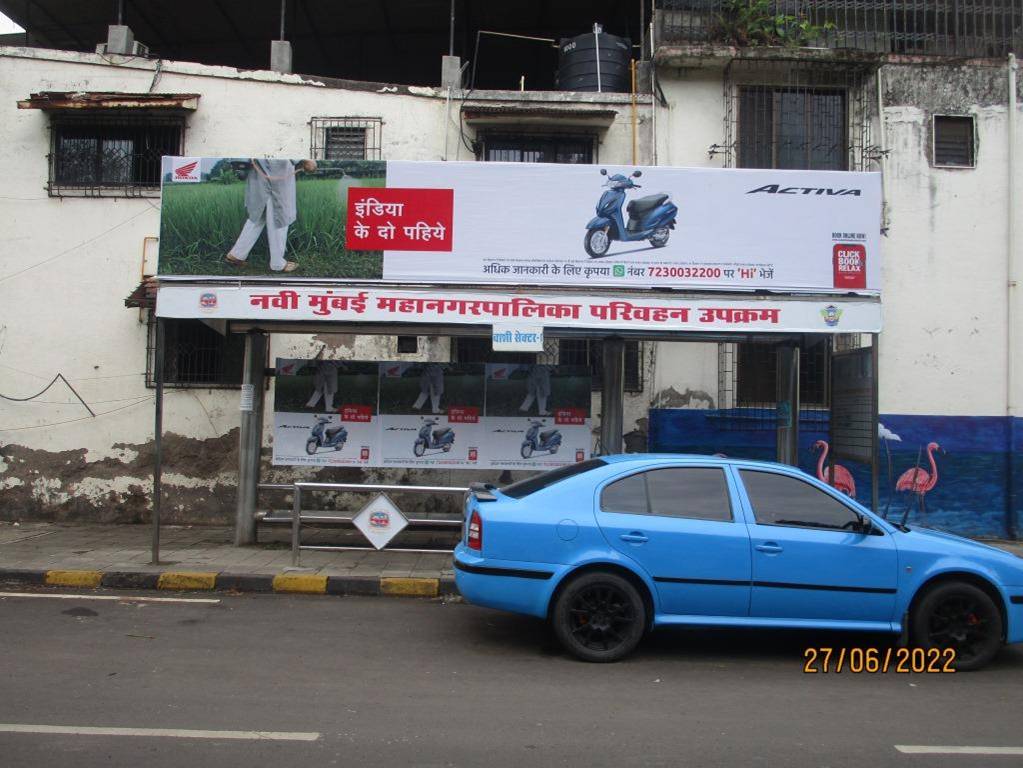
595, 62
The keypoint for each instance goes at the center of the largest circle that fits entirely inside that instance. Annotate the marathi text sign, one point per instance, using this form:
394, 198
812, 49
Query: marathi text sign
522, 224
768, 314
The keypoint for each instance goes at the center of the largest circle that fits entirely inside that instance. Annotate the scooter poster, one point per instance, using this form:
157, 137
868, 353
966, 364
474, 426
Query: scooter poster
537, 416
430, 414
325, 413
523, 224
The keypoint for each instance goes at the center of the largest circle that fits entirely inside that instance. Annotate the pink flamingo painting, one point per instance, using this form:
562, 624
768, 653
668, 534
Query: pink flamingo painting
918, 480
843, 479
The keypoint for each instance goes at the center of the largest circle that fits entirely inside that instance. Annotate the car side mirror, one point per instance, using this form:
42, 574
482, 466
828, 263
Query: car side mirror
866, 525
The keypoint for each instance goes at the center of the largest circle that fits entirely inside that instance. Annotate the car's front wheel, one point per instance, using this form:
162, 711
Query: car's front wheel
962, 617
599, 616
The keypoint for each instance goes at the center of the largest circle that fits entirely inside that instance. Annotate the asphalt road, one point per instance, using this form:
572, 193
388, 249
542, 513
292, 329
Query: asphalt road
385, 682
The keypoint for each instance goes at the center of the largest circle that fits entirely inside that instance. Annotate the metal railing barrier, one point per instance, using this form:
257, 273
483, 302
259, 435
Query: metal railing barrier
299, 489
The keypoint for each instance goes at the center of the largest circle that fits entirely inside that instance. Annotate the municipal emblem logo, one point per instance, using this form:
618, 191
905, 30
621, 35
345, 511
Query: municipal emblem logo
185, 169
831, 315
208, 301
379, 520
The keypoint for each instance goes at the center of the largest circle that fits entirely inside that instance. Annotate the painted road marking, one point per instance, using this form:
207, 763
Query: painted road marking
120, 598
179, 733
922, 750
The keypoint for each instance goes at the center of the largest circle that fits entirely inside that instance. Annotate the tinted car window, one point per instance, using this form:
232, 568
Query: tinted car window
627, 496
783, 500
698, 493
539, 482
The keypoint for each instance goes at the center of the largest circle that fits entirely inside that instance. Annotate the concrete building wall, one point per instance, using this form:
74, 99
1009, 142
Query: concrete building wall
66, 264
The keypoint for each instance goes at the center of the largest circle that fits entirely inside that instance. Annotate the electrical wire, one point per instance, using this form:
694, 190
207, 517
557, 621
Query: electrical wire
58, 377
75, 247
147, 398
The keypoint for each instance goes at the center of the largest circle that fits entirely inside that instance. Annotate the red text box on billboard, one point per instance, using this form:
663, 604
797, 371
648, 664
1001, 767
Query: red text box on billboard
395, 219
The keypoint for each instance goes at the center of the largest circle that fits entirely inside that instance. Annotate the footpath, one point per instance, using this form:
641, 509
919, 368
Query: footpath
204, 558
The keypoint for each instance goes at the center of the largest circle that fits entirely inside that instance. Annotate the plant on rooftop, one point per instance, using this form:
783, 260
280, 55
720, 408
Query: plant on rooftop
755, 23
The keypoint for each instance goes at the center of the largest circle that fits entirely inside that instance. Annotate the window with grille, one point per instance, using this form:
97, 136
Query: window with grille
195, 355
346, 138
468, 349
111, 154
526, 148
954, 141
756, 374
792, 128
590, 353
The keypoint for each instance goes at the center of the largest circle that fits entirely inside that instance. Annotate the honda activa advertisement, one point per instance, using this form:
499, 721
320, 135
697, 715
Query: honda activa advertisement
430, 415
522, 224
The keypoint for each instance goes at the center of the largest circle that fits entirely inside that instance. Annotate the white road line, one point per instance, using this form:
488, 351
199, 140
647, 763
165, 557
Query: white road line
922, 750
179, 733
121, 598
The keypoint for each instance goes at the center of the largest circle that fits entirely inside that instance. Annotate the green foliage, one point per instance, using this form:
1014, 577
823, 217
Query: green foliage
200, 223
755, 22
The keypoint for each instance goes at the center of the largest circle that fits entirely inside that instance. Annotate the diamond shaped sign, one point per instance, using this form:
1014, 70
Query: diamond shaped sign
380, 521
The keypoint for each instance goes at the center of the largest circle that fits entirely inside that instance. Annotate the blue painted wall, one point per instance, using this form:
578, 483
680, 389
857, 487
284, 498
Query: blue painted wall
974, 495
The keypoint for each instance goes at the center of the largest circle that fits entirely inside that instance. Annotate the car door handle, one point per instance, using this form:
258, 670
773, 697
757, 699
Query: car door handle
769, 547
634, 538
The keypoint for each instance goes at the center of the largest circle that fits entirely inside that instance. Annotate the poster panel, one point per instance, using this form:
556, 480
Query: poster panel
537, 416
522, 224
325, 413
430, 415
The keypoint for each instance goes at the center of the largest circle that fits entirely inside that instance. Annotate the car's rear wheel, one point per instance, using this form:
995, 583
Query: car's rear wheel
599, 616
962, 617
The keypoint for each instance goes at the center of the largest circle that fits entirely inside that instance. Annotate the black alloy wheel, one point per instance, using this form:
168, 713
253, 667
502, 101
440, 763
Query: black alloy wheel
599, 617
961, 617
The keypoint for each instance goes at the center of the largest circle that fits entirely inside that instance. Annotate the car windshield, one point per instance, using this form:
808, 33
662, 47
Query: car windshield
536, 483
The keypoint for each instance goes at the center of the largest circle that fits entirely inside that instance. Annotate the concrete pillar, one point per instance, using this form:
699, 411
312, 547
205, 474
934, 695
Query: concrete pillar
280, 56
788, 404
120, 40
250, 437
612, 396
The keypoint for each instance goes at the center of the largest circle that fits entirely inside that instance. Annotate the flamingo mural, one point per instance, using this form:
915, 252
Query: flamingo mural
918, 480
843, 479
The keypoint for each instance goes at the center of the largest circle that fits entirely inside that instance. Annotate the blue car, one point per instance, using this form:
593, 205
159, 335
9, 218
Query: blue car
612, 547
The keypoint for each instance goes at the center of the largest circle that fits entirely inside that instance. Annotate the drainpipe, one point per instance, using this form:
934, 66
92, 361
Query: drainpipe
883, 139
1012, 296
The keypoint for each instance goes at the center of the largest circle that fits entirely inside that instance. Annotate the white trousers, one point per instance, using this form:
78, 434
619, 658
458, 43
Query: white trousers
276, 237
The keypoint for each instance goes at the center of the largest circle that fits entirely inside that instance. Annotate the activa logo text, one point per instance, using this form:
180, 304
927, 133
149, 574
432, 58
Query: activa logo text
778, 189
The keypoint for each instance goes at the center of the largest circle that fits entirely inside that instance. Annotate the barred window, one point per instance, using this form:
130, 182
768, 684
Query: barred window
195, 355
953, 141
527, 148
346, 138
111, 155
792, 128
589, 352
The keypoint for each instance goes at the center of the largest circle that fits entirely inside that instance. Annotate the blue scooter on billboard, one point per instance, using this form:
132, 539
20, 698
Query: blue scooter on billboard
321, 437
650, 218
536, 441
433, 439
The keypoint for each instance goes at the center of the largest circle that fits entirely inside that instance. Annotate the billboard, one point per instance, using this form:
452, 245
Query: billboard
430, 415
522, 224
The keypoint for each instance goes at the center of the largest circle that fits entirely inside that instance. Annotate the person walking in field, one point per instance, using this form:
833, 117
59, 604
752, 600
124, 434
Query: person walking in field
431, 385
270, 203
538, 389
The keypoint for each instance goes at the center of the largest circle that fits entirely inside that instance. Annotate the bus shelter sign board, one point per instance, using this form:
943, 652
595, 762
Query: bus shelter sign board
522, 224
565, 310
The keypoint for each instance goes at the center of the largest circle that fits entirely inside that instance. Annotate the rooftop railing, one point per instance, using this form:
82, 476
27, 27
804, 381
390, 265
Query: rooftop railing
964, 28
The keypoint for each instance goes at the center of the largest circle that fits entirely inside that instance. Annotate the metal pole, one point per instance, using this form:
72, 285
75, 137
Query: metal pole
250, 437
296, 522
612, 395
788, 404
284, 10
451, 40
875, 355
158, 440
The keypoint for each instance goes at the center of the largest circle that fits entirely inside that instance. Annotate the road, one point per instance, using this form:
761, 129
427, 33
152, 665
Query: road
385, 682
